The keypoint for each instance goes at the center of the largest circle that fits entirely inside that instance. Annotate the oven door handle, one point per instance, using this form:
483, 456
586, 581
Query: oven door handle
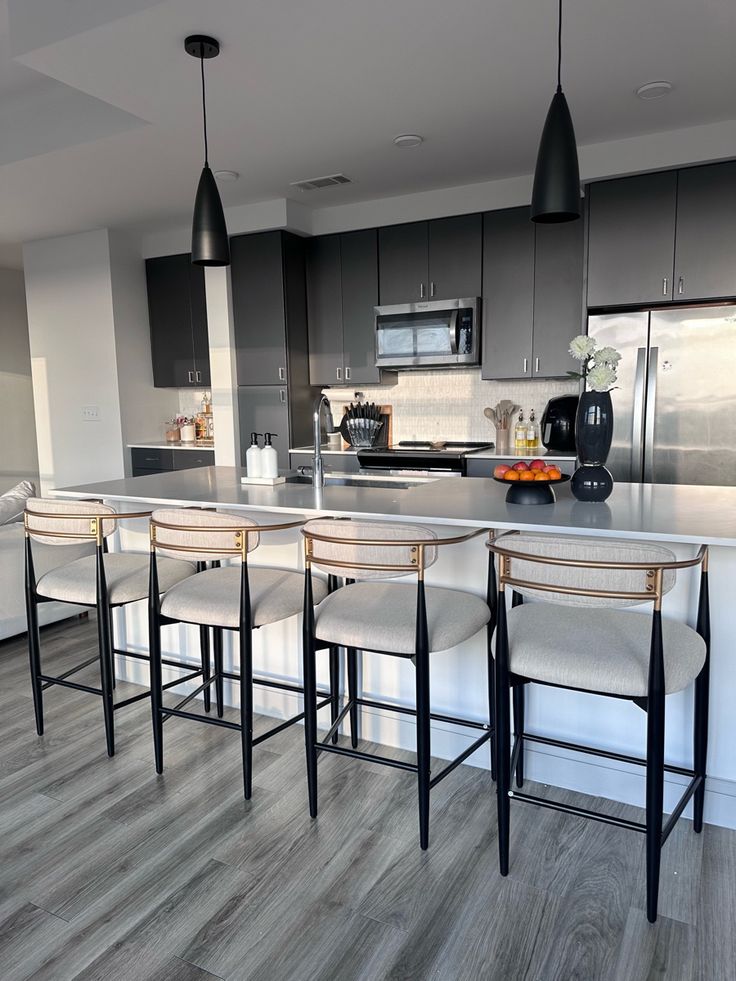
454, 332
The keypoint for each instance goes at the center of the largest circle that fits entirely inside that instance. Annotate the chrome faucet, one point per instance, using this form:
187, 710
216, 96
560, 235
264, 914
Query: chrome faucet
318, 470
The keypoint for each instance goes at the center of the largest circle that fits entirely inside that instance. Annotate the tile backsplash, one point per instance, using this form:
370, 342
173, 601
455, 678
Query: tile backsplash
449, 404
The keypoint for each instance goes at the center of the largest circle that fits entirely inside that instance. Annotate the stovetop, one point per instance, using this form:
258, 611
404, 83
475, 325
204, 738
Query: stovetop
433, 446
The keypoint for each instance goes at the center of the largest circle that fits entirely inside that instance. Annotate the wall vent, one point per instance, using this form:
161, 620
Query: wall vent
317, 183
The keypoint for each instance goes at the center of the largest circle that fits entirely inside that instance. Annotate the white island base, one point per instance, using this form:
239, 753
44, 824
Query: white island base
683, 517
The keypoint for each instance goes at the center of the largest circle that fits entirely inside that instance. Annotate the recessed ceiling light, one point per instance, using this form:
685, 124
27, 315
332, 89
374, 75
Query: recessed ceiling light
225, 176
654, 90
408, 140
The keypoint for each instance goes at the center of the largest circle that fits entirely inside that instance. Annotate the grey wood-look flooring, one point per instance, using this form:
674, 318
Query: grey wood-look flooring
108, 871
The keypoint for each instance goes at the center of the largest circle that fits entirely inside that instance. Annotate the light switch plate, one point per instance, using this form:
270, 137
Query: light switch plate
91, 413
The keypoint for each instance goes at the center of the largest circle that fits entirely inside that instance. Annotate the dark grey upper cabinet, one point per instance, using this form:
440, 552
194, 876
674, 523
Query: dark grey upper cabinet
324, 310
508, 294
455, 257
258, 288
178, 320
631, 240
558, 296
403, 263
359, 255
705, 253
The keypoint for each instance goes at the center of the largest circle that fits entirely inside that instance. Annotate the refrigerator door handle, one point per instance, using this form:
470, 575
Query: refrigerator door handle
651, 409
637, 418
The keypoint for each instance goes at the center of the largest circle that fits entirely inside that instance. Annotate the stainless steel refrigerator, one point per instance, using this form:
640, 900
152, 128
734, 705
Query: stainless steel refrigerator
675, 404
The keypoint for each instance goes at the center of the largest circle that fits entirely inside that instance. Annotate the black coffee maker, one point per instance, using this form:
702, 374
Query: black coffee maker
558, 424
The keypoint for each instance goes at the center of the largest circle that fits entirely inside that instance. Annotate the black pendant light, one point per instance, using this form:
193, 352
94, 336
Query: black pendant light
210, 246
556, 193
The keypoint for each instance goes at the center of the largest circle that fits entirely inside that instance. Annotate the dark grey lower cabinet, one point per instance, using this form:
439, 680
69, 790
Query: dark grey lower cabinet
147, 460
265, 409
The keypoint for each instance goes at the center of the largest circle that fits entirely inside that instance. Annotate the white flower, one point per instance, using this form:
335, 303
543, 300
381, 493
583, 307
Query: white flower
581, 347
607, 355
601, 378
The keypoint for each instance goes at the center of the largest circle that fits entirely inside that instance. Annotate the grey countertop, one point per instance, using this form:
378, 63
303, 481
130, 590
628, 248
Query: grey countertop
659, 512
491, 454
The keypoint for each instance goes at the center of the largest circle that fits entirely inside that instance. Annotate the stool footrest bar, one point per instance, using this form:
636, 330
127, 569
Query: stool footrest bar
336, 724
133, 698
554, 805
208, 719
608, 754
69, 684
681, 805
286, 723
406, 710
371, 757
460, 759
71, 671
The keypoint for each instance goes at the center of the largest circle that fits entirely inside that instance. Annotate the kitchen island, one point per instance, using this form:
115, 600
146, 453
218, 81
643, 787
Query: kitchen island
684, 517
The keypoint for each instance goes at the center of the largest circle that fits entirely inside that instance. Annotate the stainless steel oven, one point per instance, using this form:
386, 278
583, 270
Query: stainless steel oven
431, 334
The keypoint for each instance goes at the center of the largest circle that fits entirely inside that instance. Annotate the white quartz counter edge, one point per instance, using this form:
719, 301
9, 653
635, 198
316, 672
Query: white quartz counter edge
169, 446
646, 512
512, 454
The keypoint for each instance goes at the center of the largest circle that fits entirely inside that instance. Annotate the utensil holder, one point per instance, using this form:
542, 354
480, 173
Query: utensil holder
503, 440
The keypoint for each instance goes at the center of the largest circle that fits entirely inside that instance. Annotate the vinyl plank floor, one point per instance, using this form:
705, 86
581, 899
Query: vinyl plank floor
108, 870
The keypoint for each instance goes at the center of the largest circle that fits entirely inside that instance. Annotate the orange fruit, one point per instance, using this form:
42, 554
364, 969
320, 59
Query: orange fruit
526, 475
511, 475
540, 475
554, 474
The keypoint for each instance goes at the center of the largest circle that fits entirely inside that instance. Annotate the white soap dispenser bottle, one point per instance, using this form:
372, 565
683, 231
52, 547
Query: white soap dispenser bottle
253, 462
269, 457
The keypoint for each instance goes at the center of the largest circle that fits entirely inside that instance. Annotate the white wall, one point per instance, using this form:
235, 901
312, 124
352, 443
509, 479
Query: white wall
73, 357
143, 409
19, 458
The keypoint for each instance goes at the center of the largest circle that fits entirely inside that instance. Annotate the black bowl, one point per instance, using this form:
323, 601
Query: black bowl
531, 491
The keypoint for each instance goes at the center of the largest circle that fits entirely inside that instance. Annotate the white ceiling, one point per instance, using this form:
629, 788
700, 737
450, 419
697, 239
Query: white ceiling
100, 118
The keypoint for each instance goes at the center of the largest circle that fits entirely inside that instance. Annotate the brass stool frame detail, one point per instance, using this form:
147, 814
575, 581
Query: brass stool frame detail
510, 757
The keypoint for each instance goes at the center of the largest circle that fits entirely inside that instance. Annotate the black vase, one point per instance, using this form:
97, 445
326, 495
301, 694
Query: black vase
593, 434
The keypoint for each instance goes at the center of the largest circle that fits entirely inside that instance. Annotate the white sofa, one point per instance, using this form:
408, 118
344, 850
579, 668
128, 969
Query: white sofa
12, 578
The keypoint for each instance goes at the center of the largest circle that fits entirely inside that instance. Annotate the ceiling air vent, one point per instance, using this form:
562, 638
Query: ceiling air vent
317, 183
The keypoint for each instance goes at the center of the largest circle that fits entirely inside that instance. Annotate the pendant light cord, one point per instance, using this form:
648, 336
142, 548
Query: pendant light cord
559, 50
204, 113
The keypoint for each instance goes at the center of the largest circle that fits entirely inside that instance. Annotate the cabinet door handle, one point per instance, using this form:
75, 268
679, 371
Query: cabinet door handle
525, 364
431, 289
536, 364
421, 291
347, 374
198, 375
282, 374
338, 372
681, 285
282, 396
191, 377
664, 285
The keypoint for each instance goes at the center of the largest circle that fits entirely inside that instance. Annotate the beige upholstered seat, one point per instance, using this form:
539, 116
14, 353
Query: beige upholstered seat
213, 597
599, 650
590, 642
382, 616
126, 573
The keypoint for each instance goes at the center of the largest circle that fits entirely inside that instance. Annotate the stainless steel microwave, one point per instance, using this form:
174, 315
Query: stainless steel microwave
431, 334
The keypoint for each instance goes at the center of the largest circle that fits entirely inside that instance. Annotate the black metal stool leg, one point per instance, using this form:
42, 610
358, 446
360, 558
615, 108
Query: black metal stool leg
423, 718
352, 664
502, 722
702, 697
154, 648
334, 687
219, 681
655, 765
246, 708
105, 644
204, 653
518, 699
310, 693
34, 655
112, 649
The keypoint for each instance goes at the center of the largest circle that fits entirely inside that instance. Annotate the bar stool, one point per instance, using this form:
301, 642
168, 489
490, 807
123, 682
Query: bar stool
576, 634
241, 598
101, 580
390, 618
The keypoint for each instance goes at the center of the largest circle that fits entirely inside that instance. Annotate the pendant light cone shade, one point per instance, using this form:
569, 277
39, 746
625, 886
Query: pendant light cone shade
210, 245
556, 193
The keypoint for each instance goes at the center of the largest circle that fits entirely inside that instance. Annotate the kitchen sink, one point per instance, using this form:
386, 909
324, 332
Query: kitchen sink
340, 480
